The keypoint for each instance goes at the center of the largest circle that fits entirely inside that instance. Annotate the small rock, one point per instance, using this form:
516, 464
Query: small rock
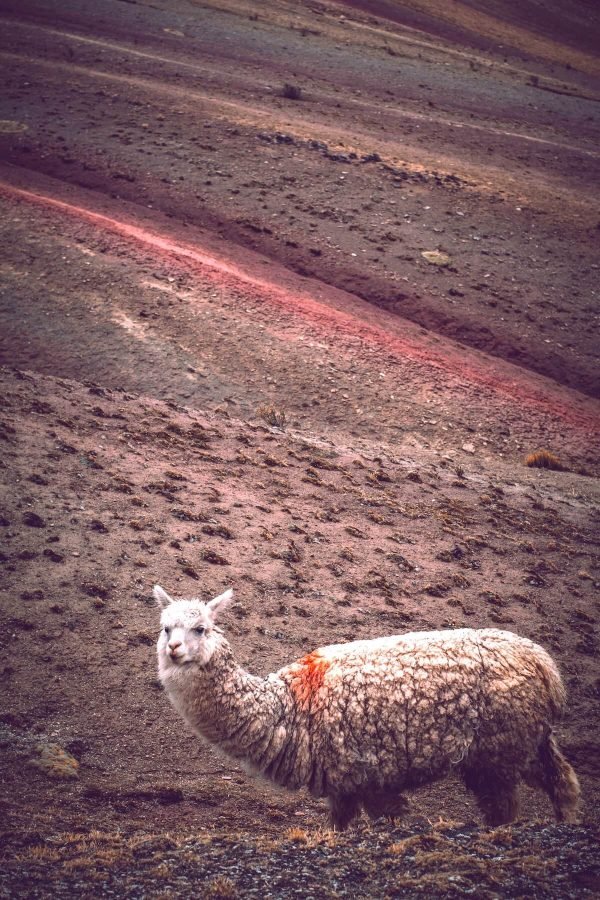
10, 126
53, 556
33, 520
97, 525
469, 448
436, 257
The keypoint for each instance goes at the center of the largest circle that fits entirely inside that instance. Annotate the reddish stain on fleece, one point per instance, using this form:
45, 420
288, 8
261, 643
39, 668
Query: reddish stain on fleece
308, 677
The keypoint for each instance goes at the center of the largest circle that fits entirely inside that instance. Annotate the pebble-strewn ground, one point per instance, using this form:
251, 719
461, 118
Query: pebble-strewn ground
106, 494
448, 860
299, 344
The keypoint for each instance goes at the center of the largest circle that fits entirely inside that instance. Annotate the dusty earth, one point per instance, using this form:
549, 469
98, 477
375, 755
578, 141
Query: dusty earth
289, 292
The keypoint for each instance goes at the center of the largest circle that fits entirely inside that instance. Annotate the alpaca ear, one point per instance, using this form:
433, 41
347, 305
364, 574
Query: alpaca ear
161, 596
219, 604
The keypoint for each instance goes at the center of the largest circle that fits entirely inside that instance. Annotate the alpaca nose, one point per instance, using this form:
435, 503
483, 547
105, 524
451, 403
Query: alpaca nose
173, 645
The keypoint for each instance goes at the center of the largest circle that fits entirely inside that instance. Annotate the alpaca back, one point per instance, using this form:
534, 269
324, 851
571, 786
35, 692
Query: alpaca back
408, 708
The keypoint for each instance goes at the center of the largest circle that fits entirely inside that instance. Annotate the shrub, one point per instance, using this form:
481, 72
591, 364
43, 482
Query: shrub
544, 459
291, 92
272, 416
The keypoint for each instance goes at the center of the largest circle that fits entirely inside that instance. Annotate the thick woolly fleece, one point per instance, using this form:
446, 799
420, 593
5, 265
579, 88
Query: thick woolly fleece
361, 722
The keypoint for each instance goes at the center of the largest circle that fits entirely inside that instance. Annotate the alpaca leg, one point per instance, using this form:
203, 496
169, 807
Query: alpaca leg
496, 795
343, 808
551, 772
384, 803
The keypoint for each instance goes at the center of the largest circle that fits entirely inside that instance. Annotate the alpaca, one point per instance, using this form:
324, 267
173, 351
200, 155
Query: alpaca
361, 723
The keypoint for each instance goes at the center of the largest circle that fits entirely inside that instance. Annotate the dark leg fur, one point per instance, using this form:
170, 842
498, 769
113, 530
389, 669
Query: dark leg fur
553, 774
384, 803
496, 795
343, 809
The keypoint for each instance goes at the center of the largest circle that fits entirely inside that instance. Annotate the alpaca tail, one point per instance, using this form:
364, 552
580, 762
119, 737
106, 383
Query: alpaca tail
556, 776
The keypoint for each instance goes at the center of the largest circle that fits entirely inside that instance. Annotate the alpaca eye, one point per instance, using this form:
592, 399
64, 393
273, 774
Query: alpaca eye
198, 630
167, 630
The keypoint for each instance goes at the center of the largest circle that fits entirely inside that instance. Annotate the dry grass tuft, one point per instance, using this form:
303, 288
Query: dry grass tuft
419, 843
274, 417
38, 854
318, 838
296, 835
502, 836
163, 870
544, 459
221, 886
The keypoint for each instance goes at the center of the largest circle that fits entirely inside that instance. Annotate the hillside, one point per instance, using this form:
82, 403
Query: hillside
300, 346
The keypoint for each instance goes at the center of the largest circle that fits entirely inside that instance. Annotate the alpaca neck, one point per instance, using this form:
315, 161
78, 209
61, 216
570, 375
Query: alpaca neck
237, 711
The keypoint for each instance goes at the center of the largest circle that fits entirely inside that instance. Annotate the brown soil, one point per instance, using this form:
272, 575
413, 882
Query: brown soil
227, 362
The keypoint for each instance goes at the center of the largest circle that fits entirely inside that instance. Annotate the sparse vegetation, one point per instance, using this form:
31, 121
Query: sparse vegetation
247, 252
297, 835
424, 861
220, 887
544, 459
274, 417
291, 91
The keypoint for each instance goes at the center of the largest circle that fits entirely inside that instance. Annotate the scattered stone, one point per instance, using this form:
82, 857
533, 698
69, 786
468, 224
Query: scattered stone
210, 556
32, 520
450, 555
37, 479
355, 532
437, 590
436, 257
97, 525
10, 126
95, 590
31, 595
27, 554
401, 561
53, 556
219, 530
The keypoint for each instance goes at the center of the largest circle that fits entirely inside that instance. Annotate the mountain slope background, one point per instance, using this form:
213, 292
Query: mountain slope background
289, 292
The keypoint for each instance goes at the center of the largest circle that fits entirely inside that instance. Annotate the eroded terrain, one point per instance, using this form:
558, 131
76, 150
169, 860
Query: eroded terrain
227, 361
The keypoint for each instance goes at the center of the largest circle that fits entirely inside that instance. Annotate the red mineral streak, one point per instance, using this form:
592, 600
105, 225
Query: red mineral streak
308, 677
501, 378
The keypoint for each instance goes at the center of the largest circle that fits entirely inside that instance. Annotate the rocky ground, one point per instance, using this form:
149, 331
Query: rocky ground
297, 340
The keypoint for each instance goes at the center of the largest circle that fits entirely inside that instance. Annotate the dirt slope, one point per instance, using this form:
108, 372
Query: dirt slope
400, 144
226, 361
107, 494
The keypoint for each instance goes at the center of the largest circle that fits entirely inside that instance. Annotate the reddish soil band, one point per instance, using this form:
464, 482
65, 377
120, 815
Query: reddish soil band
455, 360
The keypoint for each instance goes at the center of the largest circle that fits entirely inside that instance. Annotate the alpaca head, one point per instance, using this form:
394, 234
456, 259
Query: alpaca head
188, 635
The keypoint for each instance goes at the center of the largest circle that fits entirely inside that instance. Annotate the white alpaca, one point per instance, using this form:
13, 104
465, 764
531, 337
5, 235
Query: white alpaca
360, 723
